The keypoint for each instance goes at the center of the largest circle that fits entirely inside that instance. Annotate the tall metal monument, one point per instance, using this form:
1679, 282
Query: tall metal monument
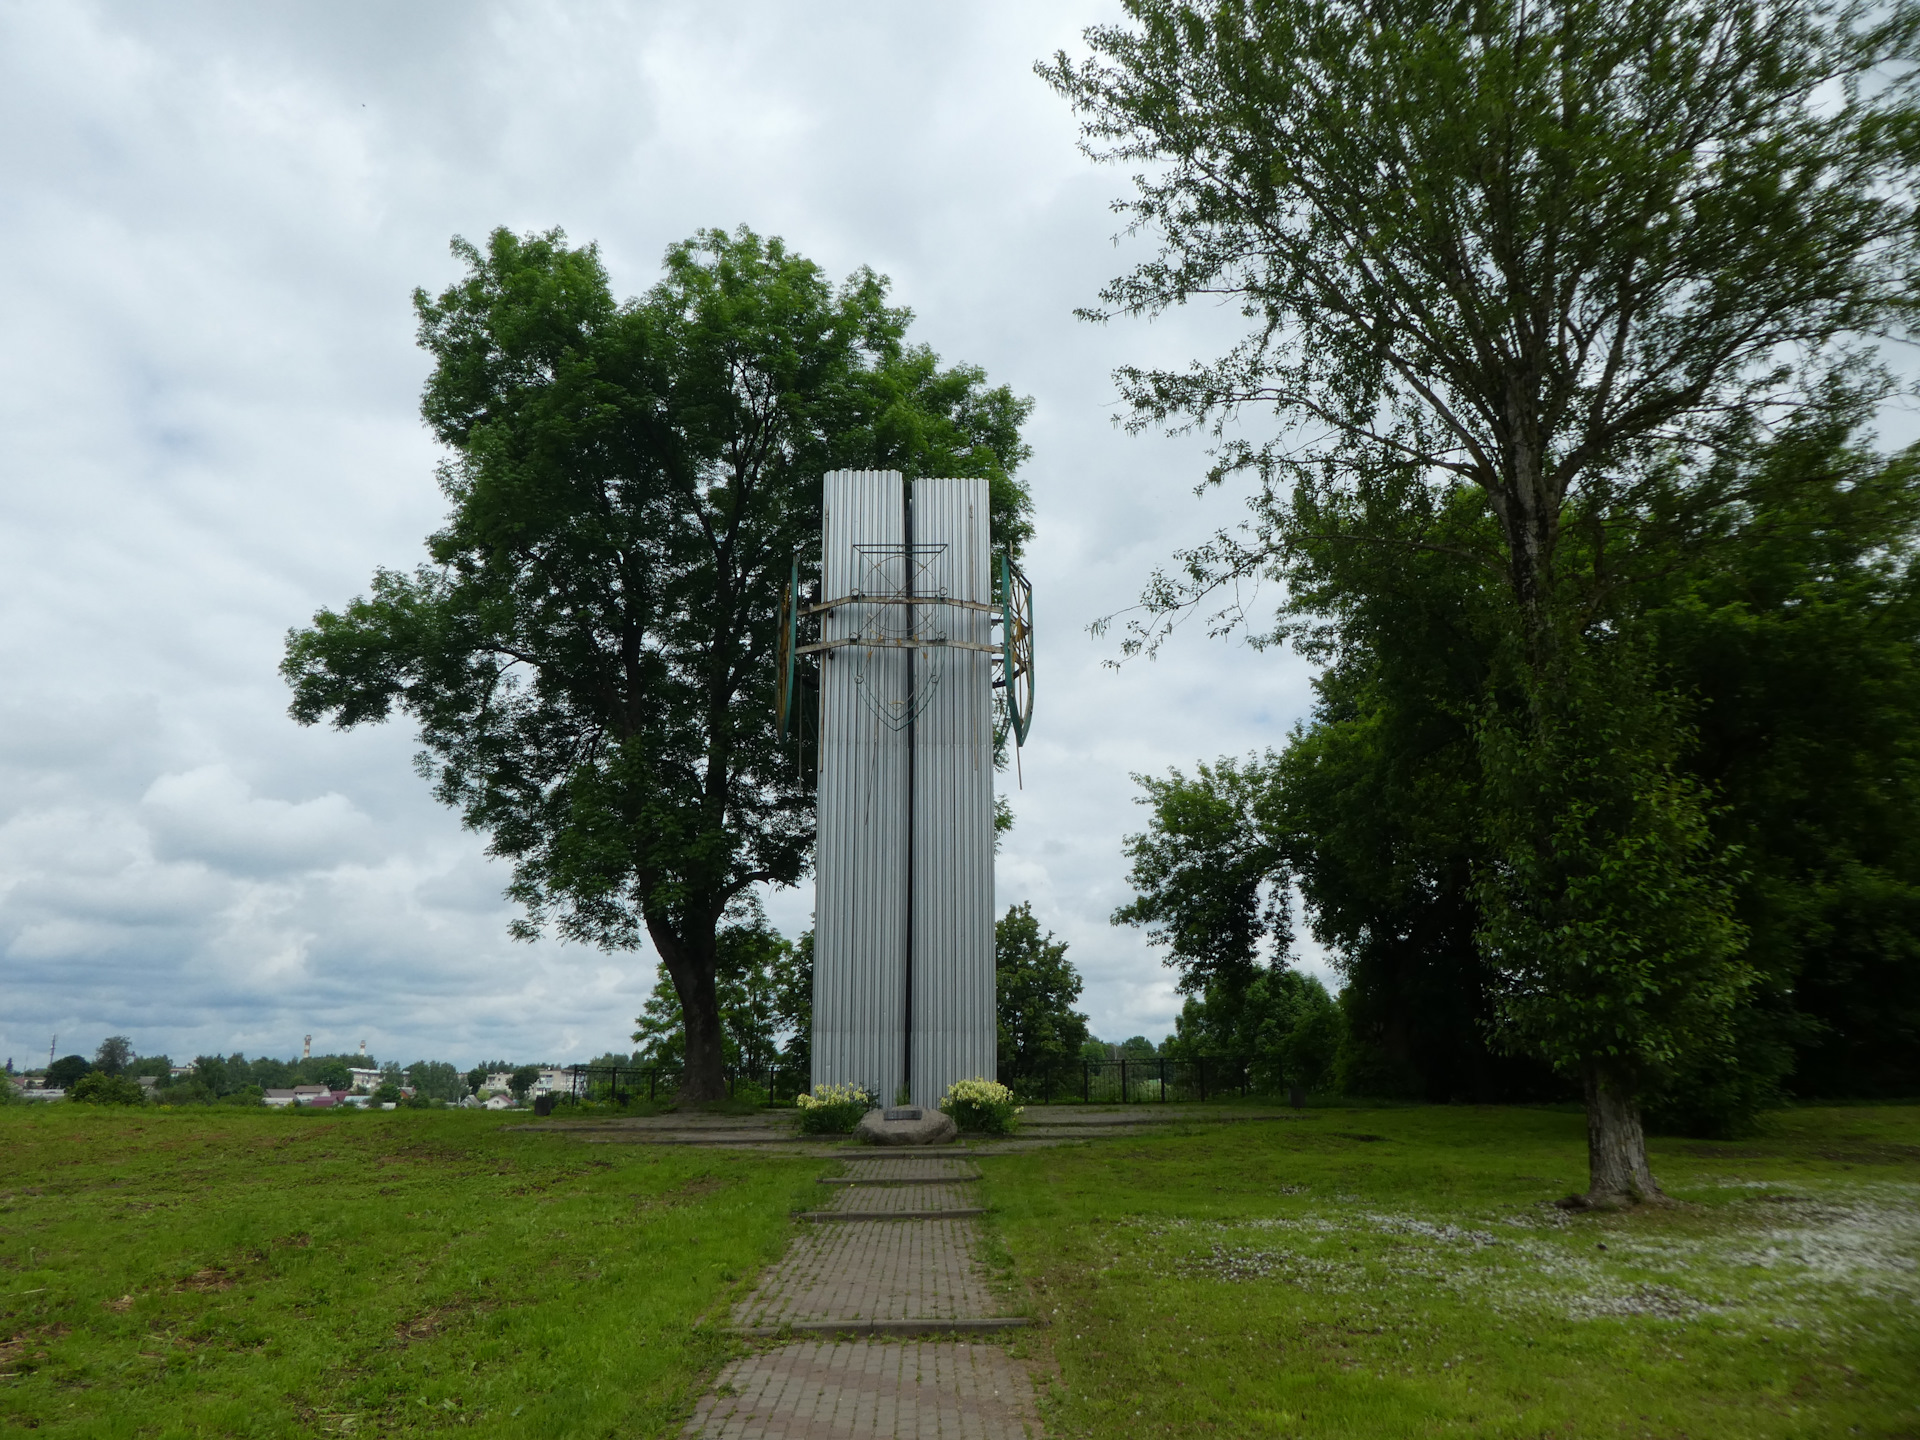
917, 624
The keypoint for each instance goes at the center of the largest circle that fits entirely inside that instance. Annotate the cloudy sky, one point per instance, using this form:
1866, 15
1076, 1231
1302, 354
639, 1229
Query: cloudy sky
211, 219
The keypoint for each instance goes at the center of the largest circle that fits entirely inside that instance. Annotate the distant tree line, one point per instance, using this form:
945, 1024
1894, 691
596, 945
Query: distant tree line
114, 1073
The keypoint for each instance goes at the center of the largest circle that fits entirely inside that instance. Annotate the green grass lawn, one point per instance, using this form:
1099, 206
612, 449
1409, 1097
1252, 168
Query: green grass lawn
258, 1273
1403, 1272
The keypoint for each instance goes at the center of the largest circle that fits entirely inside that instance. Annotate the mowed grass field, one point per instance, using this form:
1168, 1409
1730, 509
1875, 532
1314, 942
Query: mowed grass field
1327, 1273
1398, 1272
254, 1273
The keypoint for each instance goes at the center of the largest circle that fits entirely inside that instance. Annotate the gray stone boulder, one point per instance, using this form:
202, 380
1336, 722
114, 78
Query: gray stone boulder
907, 1125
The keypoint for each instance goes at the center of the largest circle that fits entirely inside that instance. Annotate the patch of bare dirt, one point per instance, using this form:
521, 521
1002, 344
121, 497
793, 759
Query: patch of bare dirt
429, 1323
206, 1281
27, 1349
685, 1193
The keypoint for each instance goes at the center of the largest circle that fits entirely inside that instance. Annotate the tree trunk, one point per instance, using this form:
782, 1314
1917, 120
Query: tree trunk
704, 1076
1617, 1171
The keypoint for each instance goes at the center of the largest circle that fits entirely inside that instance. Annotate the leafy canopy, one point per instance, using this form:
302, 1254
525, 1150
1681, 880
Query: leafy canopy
589, 653
1035, 987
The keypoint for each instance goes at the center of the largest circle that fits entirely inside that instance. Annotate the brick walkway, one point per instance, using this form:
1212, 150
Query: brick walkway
882, 1198
908, 1170
870, 1388
895, 1270
909, 1278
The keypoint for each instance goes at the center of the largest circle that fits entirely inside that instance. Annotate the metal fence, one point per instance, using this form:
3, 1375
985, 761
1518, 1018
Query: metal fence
1131, 1080
1151, 1078
622, 1084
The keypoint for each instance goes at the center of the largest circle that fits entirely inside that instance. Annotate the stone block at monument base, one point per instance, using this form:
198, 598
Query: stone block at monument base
906, 1127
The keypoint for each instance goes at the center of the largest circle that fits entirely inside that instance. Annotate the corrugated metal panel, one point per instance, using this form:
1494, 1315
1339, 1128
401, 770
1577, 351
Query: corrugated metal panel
954, 1030
859, 934
866, 721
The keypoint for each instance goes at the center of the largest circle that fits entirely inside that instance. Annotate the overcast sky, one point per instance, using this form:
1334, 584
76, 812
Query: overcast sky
211, 219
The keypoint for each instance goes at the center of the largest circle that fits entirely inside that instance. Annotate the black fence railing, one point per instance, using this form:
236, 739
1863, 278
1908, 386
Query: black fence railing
622, 1084
1130, 1080
1147, 1079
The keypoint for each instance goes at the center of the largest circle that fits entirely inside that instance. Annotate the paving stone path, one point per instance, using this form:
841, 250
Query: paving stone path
860, 1301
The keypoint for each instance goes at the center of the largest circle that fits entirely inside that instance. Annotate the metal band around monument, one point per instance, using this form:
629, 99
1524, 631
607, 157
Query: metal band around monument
1016, 647
786, 708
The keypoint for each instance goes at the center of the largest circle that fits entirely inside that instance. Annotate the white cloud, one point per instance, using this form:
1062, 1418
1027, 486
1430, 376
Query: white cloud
213, 217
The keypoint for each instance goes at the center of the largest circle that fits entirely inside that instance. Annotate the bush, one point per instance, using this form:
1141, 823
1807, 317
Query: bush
833, 1109
984, 1106
99, 1088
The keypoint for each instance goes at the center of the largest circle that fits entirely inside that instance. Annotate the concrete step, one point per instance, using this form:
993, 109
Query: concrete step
977, 1326
904, 1180
956, 1214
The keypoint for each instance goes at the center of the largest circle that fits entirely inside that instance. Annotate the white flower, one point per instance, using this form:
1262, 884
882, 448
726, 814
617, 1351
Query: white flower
835, 1095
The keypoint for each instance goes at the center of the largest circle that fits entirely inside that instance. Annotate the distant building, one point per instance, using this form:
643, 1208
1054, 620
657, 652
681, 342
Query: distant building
318, 1095
499, 1102
364, 1078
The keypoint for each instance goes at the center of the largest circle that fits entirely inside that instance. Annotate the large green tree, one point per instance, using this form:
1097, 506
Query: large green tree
588, 653
1795, 639
1557, 257
1035, 989
765, 987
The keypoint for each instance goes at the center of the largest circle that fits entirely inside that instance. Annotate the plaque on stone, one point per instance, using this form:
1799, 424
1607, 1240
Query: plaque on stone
916, 1126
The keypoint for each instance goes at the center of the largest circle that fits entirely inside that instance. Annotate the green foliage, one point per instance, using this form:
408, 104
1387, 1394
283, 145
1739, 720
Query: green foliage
764, 985
1283, 1021
100, 1088
408, 1274
437, 1080
114, 1055
1801, 640
1398, 1258
521, 1080
589, 655
1431, 217
793, 1004
1796, 640
1526, 285
833, 1109
981, 1107
1041, 1035
64, 1072
1212, 887
333, 1071
234, 1079
1606, 920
